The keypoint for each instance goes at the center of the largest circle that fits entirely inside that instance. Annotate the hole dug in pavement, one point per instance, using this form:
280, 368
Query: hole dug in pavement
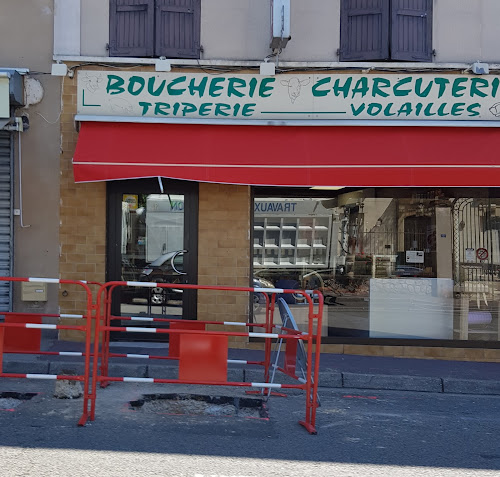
10, 400
201, 405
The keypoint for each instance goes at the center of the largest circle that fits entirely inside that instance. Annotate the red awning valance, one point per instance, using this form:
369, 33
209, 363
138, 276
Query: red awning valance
302, 156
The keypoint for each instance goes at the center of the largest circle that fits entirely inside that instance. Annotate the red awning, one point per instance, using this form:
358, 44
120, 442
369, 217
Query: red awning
302, 156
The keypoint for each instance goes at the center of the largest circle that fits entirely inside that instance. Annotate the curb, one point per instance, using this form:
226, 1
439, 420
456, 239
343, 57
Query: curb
328, 379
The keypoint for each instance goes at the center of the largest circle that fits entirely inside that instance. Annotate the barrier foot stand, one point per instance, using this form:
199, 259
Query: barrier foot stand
85, 415
309, 427
83, 420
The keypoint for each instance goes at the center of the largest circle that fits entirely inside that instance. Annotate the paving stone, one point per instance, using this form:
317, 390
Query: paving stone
330, 379
129, 370
470, 386
162, 371
60, 367
392, 382
22, 367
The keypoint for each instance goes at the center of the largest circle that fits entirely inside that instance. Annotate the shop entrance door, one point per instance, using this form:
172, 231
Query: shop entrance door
152, 239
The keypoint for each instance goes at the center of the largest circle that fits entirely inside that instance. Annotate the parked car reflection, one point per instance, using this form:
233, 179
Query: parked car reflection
408, 271
167, 268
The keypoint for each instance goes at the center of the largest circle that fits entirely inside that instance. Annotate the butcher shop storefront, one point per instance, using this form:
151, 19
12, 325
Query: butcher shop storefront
378, 189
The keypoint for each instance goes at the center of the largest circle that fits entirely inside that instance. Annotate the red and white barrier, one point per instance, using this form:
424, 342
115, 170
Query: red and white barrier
189, 341
193, 336
15, 338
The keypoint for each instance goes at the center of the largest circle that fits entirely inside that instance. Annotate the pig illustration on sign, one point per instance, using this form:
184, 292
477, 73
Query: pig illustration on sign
294, 86
121, 106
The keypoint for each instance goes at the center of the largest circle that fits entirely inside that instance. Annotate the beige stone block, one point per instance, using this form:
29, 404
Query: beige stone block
395, 351
243, 261
72, 276
413, 352
85, 268
227, 262
65, 211
492, 354
66, 267
86, 249
332, 348
256, 346
228, 244
242, 282
205, 271
452, 353
68, 247
76, 257
437, 352
98, 260
226, 300
473, 354
367, 350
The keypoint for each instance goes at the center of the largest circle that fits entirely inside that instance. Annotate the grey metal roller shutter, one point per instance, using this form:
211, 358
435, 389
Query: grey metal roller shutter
5, 218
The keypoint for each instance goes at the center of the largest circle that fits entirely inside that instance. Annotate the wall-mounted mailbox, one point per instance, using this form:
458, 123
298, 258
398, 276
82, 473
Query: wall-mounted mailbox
32, 291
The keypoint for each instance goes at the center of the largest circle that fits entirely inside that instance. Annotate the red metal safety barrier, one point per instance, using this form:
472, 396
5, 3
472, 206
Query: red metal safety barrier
20, 333
202, 354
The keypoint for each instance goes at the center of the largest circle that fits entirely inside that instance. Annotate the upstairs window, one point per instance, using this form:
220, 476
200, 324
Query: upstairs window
154, 28
399, 30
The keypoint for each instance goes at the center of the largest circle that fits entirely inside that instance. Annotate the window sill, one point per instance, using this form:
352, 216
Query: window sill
282, 64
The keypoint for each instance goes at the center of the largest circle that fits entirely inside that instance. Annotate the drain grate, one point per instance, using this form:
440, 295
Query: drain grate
201, 405
10, 400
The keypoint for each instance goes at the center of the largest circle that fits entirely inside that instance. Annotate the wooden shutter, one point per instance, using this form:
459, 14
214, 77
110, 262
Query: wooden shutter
131, 28
364, 30
411, 30
178, 28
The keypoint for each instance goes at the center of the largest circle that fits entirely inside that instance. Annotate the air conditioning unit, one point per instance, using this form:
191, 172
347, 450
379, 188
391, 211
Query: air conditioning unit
280, 23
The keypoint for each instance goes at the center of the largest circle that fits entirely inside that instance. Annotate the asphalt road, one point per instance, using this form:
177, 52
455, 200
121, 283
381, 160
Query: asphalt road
383, 433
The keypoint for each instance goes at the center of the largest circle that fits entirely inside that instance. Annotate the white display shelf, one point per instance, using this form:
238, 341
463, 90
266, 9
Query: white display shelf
292, 242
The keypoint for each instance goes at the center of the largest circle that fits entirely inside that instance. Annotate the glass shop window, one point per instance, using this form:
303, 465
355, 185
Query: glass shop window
391, 263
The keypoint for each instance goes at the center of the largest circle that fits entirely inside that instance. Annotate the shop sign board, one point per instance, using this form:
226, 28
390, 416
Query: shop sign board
289, 96
289, 207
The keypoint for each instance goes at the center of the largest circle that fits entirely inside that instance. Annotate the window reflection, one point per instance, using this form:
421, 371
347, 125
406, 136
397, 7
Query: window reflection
392, 263
152, 251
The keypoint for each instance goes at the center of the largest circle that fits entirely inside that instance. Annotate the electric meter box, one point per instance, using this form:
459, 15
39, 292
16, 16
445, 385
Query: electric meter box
32, 291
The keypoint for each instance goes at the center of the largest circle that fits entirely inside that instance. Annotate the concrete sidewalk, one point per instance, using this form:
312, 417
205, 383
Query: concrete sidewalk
336, 371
